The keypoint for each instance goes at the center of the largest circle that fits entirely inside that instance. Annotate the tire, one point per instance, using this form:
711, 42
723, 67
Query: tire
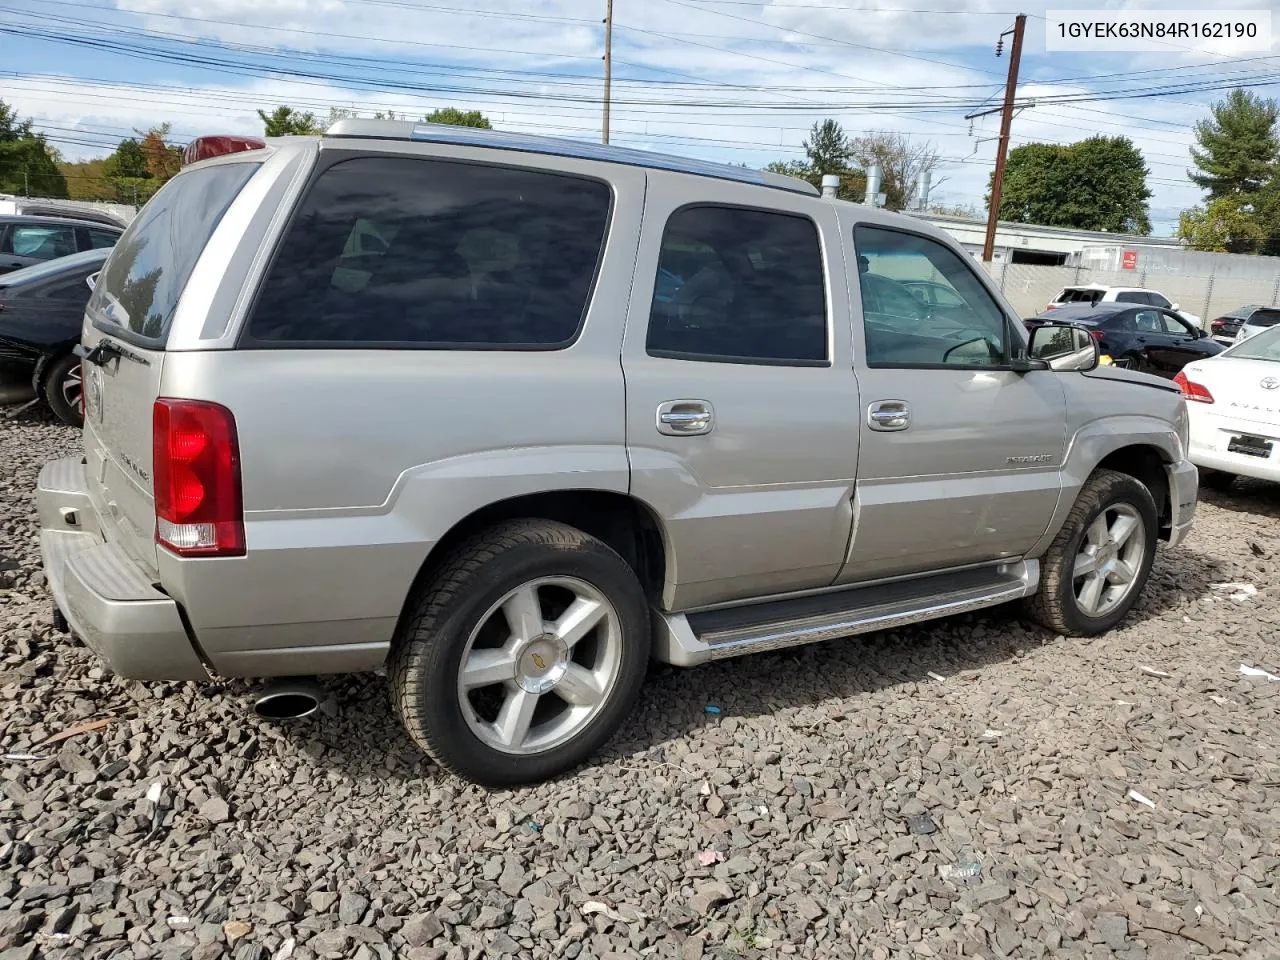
1217, 479
1062, 604
514, 724
61, 388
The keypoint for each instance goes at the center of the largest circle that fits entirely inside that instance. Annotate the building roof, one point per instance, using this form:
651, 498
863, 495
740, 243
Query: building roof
558, 146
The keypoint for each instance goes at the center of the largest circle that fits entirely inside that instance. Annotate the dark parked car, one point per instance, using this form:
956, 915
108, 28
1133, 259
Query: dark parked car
1144, 338
1225, 327
41, 310
25, 241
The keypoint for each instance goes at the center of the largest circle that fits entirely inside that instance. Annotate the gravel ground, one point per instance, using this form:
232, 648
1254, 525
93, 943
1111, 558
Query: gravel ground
974, 787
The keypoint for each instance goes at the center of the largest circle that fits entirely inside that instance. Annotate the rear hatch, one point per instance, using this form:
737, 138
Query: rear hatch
1242, 390
125, 331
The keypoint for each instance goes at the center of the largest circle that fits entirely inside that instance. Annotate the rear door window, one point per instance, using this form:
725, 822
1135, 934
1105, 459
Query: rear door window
102, 239
740, 286
1078, 295
42, 242
151, 263
435, 253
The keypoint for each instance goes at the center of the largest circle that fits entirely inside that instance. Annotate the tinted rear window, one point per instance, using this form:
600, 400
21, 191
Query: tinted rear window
150, 265
1079, 296
1264, 318
433, 253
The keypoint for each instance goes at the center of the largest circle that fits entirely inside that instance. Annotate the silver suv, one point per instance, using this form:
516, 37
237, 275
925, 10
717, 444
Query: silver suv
510, 416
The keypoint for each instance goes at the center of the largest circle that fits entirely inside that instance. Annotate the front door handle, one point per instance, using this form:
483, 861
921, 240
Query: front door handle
685, 418
888, 416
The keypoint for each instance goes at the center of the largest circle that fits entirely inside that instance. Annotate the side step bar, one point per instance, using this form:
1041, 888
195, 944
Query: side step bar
690, 639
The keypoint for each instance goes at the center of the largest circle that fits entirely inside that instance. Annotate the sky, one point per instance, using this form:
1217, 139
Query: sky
731, 80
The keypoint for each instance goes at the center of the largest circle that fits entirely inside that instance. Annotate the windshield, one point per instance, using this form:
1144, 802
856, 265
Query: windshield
51, 268
1264, 346
144, 279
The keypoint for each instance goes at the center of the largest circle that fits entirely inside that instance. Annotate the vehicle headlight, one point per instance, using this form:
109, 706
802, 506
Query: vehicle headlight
1182, 430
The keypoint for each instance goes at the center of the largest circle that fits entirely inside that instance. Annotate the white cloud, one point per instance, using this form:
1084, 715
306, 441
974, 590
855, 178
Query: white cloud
656, 40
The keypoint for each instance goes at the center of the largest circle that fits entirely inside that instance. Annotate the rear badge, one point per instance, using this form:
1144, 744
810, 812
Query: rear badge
1269, 383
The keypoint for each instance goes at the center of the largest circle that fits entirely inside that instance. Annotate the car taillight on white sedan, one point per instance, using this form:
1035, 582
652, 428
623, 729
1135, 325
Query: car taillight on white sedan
1192, 390
196, 467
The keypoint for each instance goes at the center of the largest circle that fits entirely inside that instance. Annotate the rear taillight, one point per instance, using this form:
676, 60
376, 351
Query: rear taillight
196, 467
1097, 335
1049, 307
1192, 390
1217, 325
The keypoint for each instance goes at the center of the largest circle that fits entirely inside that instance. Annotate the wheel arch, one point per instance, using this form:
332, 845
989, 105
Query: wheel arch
1143, 447
625, 523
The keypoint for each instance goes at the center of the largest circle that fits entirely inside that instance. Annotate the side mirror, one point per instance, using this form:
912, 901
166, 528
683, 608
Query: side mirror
1064, 347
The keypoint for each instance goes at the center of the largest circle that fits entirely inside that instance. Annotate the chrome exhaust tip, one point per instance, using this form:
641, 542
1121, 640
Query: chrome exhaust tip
289, 698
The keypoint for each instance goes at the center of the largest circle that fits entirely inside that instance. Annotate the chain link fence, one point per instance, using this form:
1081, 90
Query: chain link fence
1030, 288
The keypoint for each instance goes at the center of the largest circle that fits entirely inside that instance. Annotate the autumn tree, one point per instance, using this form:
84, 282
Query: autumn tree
163, 159
902, 163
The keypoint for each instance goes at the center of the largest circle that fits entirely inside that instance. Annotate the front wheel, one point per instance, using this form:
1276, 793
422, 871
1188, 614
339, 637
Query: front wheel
1097, 566
524, 654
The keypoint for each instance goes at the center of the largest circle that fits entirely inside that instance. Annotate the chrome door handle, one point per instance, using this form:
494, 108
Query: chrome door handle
685, 418
889, 415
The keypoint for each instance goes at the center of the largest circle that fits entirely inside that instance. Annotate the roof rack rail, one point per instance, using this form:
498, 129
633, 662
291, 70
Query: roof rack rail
560, 147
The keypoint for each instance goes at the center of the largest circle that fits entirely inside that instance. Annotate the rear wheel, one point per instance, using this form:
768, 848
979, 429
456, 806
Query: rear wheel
1097, 566
523, 655
1217, 479
62, 388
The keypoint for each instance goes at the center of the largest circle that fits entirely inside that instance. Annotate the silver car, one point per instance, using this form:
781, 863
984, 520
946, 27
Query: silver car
510, 416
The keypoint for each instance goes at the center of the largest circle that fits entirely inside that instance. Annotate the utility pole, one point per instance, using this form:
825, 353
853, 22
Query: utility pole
608, 64
1006, 120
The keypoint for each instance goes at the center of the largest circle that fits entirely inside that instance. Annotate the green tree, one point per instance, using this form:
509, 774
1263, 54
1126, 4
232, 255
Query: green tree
11, 128
1224, 225
1239, 152
459, 118
826, 152
286, 122
127, 161
28, 165
1095, 184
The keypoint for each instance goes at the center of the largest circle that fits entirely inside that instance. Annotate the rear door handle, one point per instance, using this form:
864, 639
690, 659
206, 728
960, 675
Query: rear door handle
685, 418
888, 416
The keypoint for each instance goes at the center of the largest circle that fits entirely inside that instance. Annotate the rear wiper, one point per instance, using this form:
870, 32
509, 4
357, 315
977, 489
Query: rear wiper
104, 351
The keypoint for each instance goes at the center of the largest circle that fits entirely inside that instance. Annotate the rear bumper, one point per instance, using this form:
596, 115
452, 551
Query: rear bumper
109, 601
1184, 485
1211, 435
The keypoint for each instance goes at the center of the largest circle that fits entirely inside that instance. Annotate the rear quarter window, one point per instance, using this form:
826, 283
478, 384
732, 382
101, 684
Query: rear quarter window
143, 280
426, 253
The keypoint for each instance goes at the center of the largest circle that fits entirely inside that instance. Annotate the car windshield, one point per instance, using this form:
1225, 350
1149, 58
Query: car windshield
1264, 346
51, 268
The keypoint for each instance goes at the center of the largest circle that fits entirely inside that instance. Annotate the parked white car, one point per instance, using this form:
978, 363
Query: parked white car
1098, 293
1233, 401
1258, 321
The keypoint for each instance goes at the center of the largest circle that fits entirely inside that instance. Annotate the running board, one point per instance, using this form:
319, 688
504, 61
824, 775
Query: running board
689, 639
